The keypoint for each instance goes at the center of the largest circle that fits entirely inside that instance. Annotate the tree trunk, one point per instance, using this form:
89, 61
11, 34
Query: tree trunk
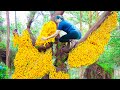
95, 71
117, 72
81, 72
97, 15
8, 40
81, 20
60, 56
90, 19
15, 20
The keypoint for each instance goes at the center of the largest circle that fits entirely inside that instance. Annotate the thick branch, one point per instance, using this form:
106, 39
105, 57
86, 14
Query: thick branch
96, 25
30, 18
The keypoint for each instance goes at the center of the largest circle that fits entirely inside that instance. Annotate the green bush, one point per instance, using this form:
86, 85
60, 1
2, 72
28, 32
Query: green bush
4, 71
1, 19
111, 56
2, 45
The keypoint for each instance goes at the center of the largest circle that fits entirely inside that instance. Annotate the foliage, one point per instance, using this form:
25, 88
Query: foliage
76, 17
4, 71
118, 16
1, 19
108, 59
36, 28
37, 23
2, 45
3, 29
111, 57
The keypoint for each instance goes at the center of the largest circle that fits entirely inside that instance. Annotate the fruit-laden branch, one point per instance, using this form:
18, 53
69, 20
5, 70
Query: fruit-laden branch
96, 25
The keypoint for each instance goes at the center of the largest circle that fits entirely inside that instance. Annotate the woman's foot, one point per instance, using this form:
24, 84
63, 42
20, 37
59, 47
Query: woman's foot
73, 44
70, 46
65, 49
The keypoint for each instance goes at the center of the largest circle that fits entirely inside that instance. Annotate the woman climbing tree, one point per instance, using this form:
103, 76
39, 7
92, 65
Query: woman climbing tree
72, 36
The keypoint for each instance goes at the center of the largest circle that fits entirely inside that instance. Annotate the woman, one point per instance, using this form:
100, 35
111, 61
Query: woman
73, 33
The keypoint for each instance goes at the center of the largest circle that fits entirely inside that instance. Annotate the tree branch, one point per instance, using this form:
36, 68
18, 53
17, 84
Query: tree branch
96, 25
30, 18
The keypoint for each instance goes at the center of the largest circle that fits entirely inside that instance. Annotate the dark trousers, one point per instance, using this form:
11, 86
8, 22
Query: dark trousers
71, 35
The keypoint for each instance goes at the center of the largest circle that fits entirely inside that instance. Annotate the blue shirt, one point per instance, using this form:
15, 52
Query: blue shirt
66, 26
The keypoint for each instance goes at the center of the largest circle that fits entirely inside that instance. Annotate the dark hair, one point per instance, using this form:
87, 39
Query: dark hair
59, 17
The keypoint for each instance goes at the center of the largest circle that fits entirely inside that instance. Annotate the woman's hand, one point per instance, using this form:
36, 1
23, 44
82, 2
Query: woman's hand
53, 35
44, 38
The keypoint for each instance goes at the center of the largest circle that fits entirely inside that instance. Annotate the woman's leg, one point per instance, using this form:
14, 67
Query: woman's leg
73, 43
74, 37
65, 40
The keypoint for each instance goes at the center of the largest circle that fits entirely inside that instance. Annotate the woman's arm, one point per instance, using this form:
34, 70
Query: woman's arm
54, 35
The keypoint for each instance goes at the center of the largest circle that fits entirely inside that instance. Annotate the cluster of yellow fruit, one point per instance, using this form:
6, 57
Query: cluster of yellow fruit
58, 75
16, 40
30, 63
88, 52
48, 29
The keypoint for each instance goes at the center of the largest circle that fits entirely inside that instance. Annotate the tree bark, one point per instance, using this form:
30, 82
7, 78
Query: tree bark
15, 20
61, 57
81, 20
30, 20
95, 71
8, 40
97, 15
90, 19
81, 72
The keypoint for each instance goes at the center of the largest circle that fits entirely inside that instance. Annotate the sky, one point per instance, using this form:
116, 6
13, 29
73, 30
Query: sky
21, 15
